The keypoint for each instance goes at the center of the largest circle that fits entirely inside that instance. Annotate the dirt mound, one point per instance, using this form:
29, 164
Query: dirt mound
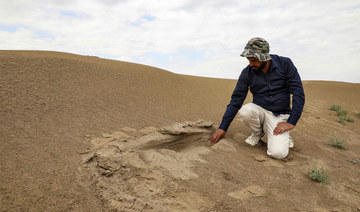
134, 172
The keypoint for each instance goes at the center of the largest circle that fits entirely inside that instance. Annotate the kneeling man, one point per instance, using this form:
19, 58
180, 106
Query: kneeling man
271, 79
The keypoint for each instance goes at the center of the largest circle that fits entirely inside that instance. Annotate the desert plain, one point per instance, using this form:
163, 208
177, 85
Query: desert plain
82, 133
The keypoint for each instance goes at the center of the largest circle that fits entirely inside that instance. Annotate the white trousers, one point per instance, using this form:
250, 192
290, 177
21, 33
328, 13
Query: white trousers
262, 121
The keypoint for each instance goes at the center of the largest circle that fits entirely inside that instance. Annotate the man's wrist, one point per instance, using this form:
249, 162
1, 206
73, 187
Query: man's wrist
292, 120
223, 127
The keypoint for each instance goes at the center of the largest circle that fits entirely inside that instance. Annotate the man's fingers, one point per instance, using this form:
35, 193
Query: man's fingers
282, 127
216, 139
217, 136
212, 139
276, 132
279, 130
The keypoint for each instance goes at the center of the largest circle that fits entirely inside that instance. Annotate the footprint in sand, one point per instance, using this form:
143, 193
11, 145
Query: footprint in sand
268, 161
251, 191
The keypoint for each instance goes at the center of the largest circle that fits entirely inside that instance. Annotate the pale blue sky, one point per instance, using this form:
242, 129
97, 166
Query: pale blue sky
195, 37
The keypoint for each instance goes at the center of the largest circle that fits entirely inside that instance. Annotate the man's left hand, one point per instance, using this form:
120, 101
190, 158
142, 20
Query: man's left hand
282, 127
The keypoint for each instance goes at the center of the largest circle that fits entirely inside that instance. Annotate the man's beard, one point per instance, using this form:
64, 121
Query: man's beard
260, 68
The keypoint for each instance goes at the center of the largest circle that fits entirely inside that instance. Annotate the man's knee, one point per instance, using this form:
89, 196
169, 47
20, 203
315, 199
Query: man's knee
278, 153
247, 112
278, 145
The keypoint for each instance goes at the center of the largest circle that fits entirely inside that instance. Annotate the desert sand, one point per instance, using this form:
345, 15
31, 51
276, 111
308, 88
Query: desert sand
81, 133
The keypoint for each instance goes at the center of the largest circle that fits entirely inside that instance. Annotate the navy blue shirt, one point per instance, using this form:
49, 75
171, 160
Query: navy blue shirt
270, 90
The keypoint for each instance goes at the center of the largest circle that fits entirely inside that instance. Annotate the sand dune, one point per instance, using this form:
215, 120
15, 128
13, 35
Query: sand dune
81, 133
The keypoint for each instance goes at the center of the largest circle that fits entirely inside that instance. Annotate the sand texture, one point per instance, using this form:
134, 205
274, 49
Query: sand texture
81, 133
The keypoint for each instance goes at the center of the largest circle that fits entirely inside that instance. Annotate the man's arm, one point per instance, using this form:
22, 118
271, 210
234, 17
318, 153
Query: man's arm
298, 99
297, 90
237, 99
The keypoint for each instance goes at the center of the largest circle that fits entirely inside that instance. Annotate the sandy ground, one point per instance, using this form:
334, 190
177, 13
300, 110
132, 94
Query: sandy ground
80, 133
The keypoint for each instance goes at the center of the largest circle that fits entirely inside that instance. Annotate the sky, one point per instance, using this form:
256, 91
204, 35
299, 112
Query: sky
192, 37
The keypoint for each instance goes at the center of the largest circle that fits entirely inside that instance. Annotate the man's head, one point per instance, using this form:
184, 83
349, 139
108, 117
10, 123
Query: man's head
257, 52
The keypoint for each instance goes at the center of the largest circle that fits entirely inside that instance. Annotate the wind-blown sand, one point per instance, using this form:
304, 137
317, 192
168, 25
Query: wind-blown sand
80, 133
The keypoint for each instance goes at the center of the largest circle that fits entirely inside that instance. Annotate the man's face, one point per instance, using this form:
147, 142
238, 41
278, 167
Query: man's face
254, 63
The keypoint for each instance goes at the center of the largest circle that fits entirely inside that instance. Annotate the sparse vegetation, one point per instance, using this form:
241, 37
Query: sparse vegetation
358, 114
342, 114
339, 143
355, 161
335, 107
342, 121
317, 174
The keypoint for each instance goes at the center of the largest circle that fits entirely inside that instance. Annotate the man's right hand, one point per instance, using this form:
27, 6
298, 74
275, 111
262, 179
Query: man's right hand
218, 134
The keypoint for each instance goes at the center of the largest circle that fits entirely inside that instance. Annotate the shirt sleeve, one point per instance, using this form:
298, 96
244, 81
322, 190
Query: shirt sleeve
296, 89
237, 99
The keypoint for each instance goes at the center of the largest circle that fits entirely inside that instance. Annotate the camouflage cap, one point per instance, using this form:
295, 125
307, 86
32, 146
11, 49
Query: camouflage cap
257, 47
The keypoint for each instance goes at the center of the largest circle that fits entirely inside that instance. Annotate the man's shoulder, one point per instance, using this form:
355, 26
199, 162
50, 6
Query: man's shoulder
279, 58
281, 61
